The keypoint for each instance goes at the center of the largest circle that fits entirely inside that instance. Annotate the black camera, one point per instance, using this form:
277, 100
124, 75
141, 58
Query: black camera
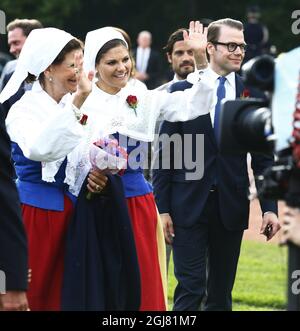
270, 124
246, 125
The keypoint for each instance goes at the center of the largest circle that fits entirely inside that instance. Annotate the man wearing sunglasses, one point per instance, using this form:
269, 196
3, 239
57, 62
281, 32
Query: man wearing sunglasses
209, 215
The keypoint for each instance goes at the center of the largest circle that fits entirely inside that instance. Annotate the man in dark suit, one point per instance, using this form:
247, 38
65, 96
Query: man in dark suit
207, 217
13, 244
148, 61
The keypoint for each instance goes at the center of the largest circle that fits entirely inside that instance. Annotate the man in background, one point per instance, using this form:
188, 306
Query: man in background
180, 58
147, 60
256, 34
182, 62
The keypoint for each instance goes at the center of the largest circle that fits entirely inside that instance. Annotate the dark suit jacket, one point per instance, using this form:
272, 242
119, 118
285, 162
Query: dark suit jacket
185, 199
13, 244
8, 103
154, 69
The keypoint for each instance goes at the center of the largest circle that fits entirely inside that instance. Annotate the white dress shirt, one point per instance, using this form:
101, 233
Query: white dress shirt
213, 76
142, 58
166, 86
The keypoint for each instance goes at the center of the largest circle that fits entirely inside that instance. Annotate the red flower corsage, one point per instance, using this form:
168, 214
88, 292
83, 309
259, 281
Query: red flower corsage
245, 94
132, 102
83, 119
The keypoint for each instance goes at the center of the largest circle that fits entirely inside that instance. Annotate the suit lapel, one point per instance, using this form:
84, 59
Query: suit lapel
211, 133
239, 86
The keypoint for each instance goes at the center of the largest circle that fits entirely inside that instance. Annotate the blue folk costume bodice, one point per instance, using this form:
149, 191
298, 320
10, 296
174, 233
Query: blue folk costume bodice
133, 179
32, 189
35, 192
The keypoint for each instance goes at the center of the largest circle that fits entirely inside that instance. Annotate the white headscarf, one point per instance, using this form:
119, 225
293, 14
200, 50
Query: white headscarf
40, 49
94, 41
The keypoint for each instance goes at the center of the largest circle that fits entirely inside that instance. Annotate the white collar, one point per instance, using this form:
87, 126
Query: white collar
230, 77
175, 79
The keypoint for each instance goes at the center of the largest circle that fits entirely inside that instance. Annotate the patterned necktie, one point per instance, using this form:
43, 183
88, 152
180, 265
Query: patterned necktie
221, 92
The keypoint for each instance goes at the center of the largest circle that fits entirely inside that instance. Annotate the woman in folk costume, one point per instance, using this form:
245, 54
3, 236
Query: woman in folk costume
45, 125
130, 114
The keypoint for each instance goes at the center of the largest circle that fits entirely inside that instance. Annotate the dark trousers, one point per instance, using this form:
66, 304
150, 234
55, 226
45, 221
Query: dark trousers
205, 261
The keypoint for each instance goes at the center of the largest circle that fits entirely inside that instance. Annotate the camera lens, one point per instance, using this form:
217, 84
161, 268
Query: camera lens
259, 73
254, 128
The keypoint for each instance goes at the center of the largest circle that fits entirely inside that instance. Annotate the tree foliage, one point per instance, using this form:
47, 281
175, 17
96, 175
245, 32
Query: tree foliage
161, 17
54, 12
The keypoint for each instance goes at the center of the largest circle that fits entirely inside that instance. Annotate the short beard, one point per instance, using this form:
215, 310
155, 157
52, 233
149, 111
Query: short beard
183, 75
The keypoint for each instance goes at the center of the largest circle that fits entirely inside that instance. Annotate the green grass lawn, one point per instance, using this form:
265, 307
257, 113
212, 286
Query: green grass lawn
261, 278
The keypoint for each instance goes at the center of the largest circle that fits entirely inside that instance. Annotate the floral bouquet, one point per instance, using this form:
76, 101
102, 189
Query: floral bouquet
106, 154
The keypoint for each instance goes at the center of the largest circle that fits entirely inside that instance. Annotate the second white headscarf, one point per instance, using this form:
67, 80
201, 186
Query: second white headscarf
94, 41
